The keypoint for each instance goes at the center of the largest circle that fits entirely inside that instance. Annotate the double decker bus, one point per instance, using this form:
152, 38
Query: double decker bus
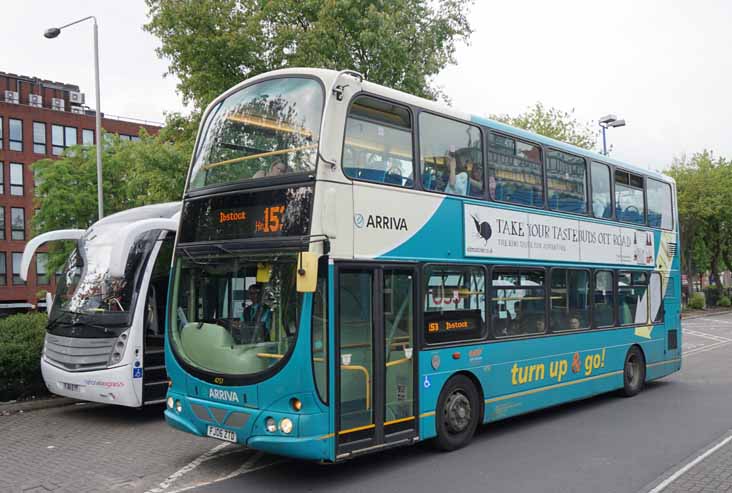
106, 323
357, 268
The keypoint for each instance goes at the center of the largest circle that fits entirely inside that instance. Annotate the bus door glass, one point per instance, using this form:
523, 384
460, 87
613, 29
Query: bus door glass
376, 359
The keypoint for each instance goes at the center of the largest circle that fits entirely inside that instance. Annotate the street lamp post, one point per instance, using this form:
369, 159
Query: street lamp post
609, 121
53, 32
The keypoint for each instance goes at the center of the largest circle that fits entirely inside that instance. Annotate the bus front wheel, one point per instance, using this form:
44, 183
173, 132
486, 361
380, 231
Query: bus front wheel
634, 372
457, 414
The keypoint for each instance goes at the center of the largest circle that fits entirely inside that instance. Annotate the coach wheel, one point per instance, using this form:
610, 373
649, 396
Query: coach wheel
634, 372
458, 411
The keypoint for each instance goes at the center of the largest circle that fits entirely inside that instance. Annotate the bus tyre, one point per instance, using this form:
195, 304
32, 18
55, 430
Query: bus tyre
634, 372
458, 411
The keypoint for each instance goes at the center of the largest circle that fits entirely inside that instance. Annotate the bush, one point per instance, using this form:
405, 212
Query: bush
21, 343
724, 301
697, 301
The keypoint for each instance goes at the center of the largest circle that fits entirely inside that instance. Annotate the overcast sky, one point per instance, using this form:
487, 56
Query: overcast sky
663, 66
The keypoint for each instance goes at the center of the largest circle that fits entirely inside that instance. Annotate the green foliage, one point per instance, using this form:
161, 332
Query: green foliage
555, 123
21, 343
697, 301
214, 44
148, 171
704, 190
724, 302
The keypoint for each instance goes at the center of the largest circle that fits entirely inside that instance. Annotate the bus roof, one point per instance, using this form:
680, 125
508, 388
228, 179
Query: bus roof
329, 75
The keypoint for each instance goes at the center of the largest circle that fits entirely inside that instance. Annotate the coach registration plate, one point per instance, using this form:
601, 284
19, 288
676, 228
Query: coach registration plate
221, 434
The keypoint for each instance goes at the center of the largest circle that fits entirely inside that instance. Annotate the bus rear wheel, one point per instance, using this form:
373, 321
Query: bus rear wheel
458, 412
634, 372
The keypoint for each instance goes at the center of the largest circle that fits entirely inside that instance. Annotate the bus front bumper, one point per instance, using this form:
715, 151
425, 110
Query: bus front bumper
197, 418
107, 386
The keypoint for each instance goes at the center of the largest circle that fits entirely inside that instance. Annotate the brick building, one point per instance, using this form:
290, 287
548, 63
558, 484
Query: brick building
38, 119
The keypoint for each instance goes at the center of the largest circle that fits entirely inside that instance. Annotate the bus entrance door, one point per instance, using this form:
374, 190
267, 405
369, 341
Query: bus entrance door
375, 386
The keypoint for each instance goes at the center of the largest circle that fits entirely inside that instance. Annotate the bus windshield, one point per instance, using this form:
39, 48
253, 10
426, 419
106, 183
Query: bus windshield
233, 314
264, 130
89, 295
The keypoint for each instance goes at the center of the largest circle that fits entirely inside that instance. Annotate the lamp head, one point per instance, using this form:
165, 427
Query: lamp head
52, 32
607, 119
617, 123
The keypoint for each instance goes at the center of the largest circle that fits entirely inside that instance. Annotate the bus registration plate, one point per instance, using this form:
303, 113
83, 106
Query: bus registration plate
221, 434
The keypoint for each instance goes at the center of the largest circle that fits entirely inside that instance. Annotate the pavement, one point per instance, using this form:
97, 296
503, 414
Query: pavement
675, 436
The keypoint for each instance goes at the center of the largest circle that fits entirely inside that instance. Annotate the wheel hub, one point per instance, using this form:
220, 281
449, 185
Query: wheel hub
457, 412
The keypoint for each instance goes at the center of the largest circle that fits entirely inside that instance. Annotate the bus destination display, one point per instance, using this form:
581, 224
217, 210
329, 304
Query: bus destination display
273, 213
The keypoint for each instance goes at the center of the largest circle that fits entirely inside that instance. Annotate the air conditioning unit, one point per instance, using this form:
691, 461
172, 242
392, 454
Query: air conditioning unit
76, 97
12, 97
58, 104
35, 100
78, 110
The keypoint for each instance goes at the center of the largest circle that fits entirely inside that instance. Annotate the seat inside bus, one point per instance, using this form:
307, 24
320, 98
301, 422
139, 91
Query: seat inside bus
212, 346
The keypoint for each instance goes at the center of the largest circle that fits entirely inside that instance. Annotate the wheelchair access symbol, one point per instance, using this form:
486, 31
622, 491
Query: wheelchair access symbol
137, 373
426, 384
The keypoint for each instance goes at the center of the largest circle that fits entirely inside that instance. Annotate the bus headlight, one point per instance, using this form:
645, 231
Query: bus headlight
270, 425
170, 403
178, 407
118, 350
286, 426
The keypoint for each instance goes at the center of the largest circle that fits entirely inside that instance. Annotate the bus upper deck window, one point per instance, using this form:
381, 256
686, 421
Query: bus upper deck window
629, 205
515, 172
602, 205
452, 156
660, 212
378, 143
566, 182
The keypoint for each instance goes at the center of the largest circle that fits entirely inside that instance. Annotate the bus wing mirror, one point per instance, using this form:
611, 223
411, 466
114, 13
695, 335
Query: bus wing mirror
36, 242
307, 272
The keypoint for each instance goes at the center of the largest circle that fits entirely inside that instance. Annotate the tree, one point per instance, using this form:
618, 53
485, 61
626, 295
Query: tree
555, 123
704, 192
136, 173
215, 44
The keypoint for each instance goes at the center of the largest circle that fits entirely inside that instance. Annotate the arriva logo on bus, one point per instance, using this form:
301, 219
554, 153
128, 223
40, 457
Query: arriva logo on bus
380, 222
223, 395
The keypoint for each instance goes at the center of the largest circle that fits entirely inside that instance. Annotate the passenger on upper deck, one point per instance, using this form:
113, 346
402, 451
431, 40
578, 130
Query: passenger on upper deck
278, 167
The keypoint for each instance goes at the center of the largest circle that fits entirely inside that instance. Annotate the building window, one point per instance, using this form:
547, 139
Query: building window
69, 136
515, 171
39, 138
517, 303
1, 132
570, 300
16, 179
602, 205
87, 137
2, 223
629, 197
452, 156
61, 138
17, 223
17, 259
660, 212
566, 176
42, 268
454, 303
2, 178
3, 269
16, 134
632, 301
378, 143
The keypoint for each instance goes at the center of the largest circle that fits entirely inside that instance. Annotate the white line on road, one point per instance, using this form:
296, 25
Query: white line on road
188, 468
688, 466
248, 467
706, 336
704, 349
